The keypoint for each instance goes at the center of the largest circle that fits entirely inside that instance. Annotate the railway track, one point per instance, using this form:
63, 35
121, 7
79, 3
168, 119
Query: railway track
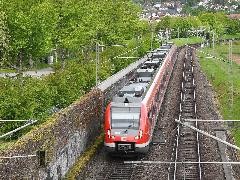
185, 144
187, 141
118, 170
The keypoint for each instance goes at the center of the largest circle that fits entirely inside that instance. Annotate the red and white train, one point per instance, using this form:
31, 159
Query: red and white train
131, 116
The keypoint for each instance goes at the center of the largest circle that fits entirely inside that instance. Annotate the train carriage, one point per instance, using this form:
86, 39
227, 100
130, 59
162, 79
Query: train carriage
132, 115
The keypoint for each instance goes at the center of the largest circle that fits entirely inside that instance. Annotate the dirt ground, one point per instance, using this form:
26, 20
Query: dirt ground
236, 58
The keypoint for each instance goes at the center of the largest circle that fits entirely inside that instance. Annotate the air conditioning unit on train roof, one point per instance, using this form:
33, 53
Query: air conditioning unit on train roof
139, 90
159, 54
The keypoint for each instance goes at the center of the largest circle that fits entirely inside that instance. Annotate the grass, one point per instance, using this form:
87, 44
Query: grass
229, 36
183, 41
5, 145
222, 75
7, 71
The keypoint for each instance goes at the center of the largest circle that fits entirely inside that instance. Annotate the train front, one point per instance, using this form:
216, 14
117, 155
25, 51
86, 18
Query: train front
125, 129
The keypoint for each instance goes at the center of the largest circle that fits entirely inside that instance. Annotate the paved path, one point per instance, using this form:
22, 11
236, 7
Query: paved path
38, 73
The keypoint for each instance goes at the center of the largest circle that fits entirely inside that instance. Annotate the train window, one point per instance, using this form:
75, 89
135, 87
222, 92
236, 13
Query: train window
161, 86
125, 109
125, 120
155, 109
164, 77
125, 117
157, 96
150, 115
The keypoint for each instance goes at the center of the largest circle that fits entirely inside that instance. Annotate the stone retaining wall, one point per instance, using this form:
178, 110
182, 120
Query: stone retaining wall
64, 138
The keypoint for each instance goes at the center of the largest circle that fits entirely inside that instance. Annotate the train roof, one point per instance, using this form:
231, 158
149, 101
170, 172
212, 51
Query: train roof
135, 90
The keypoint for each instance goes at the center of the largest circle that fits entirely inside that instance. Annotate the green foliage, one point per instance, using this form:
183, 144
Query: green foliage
218, 23
4, 37
32, 30
36, 28
31, 25
29, 98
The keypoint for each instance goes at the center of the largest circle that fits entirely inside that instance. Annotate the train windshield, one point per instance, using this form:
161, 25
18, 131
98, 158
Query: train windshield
125, 117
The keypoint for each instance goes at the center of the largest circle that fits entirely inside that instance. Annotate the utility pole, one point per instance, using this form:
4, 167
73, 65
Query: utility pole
230, 73
97, 62
178, 32
167, 35
151, 23
152, 36
213, 42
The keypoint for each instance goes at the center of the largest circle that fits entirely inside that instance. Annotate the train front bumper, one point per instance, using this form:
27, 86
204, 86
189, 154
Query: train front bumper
126, 147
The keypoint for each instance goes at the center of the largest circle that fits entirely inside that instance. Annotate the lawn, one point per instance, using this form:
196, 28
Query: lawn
190, 40
7, 71
222, 76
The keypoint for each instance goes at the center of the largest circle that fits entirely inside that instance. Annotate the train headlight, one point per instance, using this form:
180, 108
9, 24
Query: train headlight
109, 133
140, 135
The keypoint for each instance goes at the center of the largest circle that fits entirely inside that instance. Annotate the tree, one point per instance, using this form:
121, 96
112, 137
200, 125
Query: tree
31, 25
4, 37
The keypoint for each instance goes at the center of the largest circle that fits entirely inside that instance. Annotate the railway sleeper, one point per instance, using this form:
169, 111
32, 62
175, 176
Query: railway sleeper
187, 174
188, 76
188, 139
188, 91
191, 158
189, 85
186, 104
188, 109
187, 156
186, 132
188, 144
188, 97
188, 135
188, 68
190, 115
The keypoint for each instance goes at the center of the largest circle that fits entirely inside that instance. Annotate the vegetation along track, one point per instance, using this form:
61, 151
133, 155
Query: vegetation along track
104, 167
